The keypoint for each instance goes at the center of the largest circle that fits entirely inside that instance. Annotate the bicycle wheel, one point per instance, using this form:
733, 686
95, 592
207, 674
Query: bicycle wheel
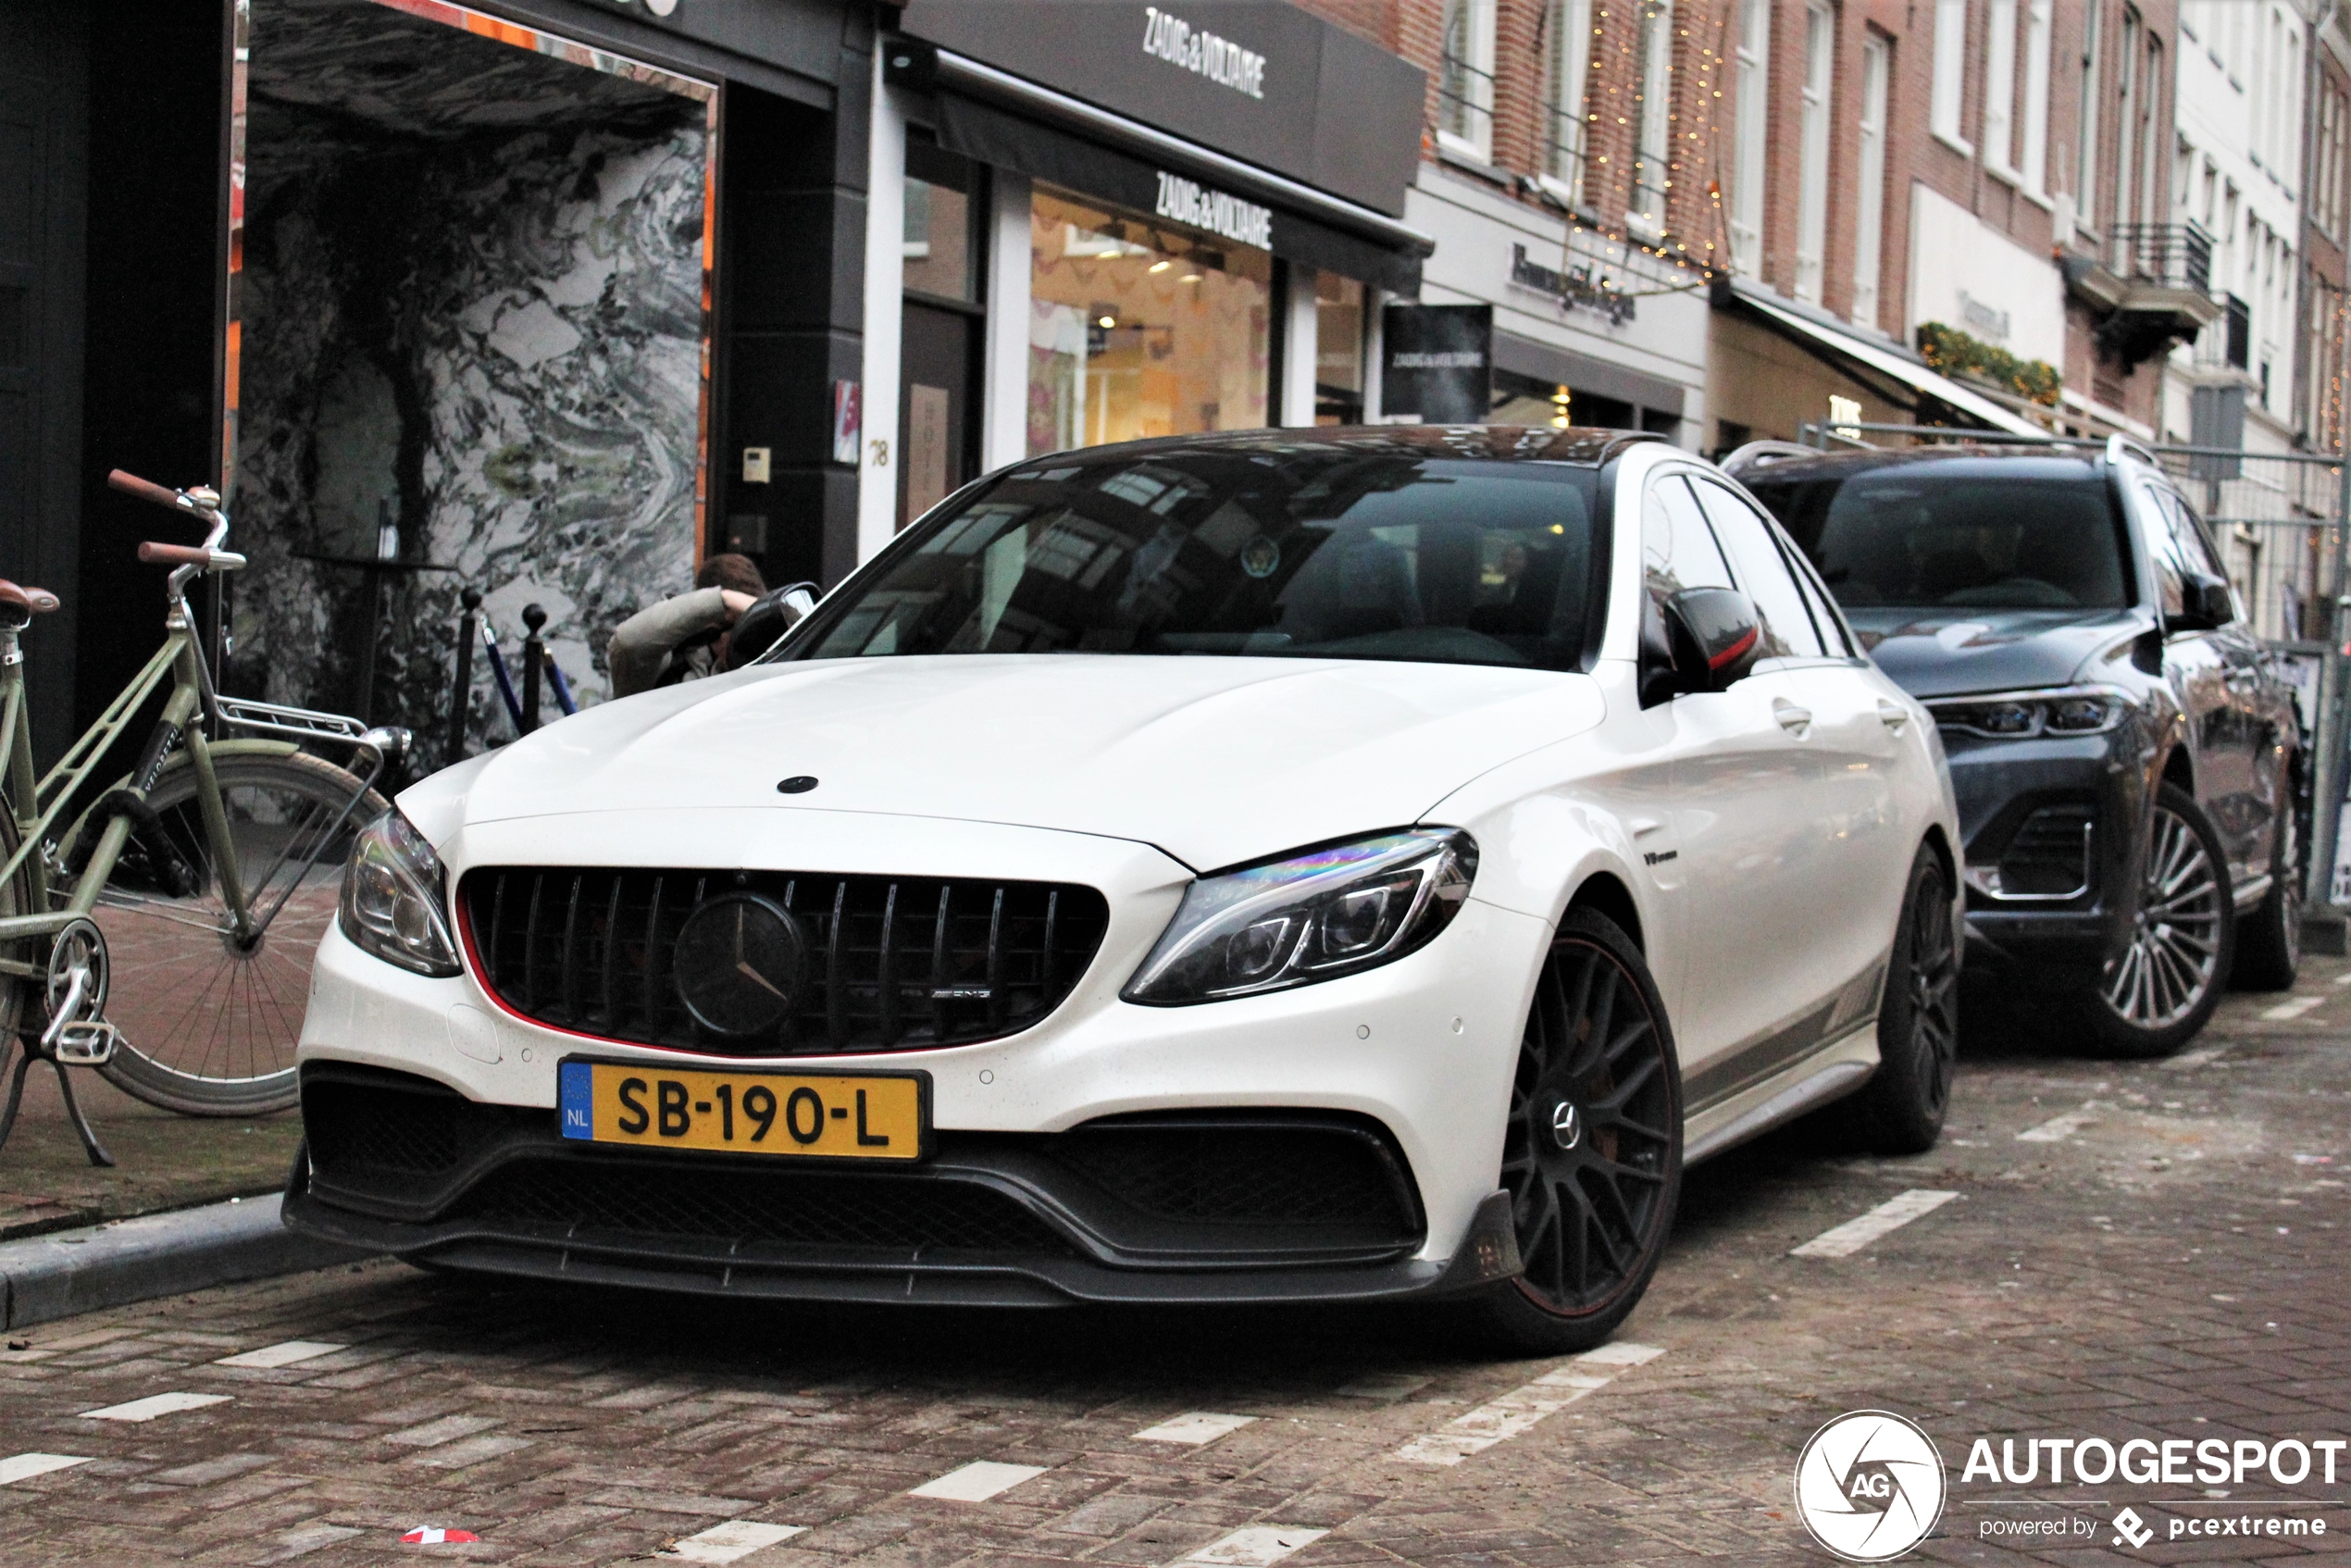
16, 898
209, 1023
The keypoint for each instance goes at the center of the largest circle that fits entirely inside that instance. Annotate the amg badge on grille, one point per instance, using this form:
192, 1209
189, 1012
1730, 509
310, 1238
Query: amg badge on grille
739, 963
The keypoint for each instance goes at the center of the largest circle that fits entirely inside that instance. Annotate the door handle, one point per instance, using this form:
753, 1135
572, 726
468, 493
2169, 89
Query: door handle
1894, 715
1794, 720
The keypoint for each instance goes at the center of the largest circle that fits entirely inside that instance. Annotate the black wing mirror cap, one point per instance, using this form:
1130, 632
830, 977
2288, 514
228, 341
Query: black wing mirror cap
1717, 636
2208, 605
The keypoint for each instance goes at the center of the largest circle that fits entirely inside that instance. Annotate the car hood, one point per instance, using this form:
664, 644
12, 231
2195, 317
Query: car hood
1950, 652
1214, 761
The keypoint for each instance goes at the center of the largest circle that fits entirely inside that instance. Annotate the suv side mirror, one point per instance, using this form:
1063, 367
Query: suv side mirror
1717, 635
2206, 603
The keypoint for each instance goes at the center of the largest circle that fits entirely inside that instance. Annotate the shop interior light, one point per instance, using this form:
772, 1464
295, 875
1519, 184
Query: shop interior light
1107, 321
1190, 278
1161, 265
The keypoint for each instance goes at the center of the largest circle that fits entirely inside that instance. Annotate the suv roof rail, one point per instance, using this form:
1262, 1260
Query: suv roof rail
1756, 454
2118, 447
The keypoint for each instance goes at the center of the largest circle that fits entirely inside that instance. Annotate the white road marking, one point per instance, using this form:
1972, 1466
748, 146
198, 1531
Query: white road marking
25, 1466
2056, 1129
1382, 1386
1257, 1547
978, 1481
155, 1405
1843, 1241
724, 1543
1197, 1427
1501, 1419
2294, 1007
292, 1350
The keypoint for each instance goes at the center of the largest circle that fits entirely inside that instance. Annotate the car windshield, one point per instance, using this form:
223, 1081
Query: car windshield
1989, 535
1376, 552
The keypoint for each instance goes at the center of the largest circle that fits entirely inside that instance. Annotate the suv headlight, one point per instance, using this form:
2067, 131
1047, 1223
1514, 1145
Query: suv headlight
1312, 917
392, 901
2024, 716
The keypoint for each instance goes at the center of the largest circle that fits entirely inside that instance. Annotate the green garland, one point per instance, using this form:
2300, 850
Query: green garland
1952, 352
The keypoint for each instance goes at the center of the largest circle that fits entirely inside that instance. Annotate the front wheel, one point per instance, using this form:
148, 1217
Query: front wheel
209, 1021
1592, 1150
2162, 989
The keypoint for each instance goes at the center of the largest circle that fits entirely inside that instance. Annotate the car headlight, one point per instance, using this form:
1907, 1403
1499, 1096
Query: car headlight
1312, 917
393, 903
2022, 715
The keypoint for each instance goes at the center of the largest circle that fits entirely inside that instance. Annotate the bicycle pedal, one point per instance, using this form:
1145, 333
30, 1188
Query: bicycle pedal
87, 1043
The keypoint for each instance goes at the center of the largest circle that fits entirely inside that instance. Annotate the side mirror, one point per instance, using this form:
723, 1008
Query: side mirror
1717, 637
2206, 603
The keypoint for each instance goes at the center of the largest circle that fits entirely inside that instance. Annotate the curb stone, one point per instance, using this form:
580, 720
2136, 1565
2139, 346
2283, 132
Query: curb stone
59, 1275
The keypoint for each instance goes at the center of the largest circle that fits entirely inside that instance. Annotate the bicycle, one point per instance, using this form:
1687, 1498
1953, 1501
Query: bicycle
138, 942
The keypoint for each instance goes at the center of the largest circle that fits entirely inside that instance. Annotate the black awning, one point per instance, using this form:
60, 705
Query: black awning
994, 136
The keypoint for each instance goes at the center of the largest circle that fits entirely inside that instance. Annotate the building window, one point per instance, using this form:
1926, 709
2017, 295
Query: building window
2126, 121
2152, 131
1813, 175
1566, 62
1999, 85
2085, 180
1138, 329
1950, 70
1752, 108
1465, 79
1652, 139
2035, 167
1869, 228
1339, 349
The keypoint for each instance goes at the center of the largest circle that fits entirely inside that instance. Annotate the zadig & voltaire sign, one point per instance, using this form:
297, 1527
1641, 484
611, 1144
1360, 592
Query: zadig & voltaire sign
1173, 39
1219, 212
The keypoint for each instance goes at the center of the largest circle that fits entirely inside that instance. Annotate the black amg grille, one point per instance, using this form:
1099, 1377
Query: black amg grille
2050, 854
794, 1208
894, 963
1332, 1174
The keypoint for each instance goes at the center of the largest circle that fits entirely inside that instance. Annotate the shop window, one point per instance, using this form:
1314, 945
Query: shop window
1139, 329
1338, 350
941, 245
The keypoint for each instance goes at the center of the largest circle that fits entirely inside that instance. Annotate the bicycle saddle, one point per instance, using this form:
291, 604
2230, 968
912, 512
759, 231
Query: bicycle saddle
26, 602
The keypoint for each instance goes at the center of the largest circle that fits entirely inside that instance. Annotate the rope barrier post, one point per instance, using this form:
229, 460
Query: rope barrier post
461, 689
534, 656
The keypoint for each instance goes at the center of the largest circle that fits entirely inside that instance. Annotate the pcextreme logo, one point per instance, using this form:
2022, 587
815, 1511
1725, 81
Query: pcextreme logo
1869, 1486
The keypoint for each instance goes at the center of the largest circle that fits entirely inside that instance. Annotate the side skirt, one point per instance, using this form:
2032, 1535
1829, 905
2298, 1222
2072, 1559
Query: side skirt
1837, 1069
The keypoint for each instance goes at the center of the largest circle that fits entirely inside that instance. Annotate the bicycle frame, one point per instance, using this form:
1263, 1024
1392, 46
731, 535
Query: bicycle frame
38, 803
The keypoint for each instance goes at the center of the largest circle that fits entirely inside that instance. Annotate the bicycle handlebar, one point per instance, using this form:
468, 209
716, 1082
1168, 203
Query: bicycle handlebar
147, 490
196, 555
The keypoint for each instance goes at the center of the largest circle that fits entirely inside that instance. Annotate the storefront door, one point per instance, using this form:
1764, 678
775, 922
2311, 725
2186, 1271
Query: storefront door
939, 359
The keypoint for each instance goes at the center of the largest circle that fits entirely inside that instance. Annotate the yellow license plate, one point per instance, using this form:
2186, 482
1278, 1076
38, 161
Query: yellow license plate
828, 1116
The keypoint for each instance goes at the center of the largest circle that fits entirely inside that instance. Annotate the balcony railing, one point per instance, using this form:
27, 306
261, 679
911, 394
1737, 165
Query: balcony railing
2171, 256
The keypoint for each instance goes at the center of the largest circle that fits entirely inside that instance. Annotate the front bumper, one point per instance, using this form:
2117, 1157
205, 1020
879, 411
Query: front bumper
2017, 799
1219, 1207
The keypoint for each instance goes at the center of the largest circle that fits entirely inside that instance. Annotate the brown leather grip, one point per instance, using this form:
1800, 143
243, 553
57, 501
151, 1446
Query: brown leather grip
174, 554
145, 490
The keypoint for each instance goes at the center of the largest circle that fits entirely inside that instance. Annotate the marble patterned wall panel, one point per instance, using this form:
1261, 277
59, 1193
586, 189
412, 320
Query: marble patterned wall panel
487, 345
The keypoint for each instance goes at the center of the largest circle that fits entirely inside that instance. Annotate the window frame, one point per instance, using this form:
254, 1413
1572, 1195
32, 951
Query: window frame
1472, 134
1813, 151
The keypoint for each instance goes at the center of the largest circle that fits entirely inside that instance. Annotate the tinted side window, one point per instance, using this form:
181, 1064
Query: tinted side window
1678, 550
2163, 548
1816, 600
1788, 624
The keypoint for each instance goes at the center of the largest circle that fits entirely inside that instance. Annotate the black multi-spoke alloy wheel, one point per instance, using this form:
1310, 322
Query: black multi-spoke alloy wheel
1900, 1110
2157, 995
2270, 939
1592, 1151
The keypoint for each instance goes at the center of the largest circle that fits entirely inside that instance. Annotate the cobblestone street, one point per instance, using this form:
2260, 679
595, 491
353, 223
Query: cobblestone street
2133, 1249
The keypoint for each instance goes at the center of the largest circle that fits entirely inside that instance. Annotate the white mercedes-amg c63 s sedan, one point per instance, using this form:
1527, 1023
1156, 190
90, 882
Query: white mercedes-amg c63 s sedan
1273, 867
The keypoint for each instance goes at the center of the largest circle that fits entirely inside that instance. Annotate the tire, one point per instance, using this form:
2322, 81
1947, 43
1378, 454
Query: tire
2156, 996
1900, 1110
2270, 939
16, 898
209, 1030
1592, 1151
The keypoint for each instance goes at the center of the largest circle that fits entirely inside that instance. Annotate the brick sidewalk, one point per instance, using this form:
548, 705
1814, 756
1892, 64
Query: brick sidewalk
2163, 1258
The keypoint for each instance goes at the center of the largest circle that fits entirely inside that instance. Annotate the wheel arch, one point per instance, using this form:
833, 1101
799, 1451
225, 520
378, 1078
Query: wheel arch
1605, 893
